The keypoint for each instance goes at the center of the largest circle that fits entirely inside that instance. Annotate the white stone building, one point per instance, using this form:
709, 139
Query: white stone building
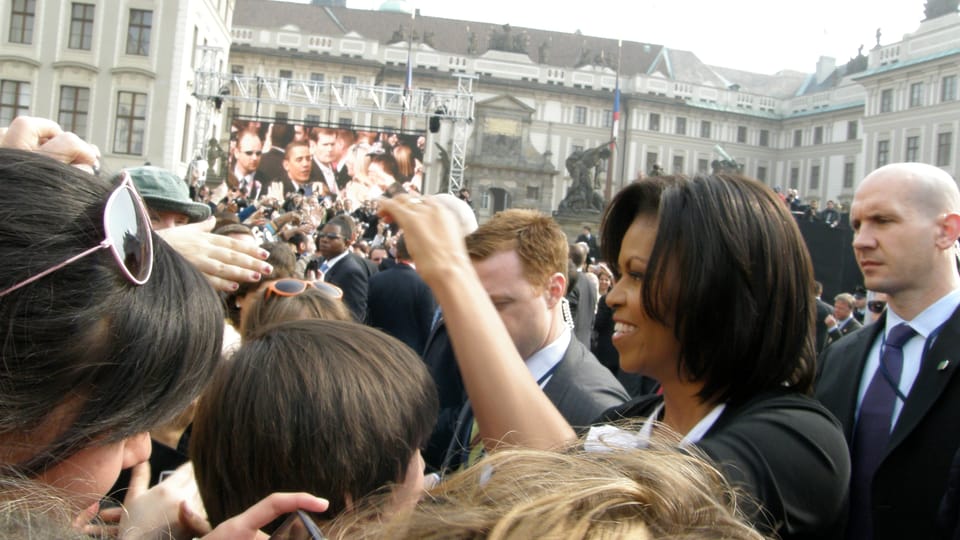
117, 72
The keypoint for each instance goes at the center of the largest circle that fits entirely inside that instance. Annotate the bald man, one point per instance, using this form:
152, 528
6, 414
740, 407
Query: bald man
893, 385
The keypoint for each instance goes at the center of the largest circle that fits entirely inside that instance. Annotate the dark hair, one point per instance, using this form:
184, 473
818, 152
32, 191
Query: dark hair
331, 407
295, 144
346, 225
578, 255
123, 357
402, 251
388, 163
232, 228
296, 239
730, 274
280, 135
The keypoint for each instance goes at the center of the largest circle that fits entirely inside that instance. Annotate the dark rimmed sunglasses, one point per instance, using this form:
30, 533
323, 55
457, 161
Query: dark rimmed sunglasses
127, 235
876, 306
292, 287
252, 152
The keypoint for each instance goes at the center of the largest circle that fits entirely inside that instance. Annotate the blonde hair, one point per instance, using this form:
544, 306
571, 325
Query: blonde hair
32, 509
517, 493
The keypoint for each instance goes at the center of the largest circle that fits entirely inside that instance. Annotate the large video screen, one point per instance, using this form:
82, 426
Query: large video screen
269, 158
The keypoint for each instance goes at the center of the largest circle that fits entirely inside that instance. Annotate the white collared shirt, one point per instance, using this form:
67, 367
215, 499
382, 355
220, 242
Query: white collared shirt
604, 437
925, 324
332, 262
541, 362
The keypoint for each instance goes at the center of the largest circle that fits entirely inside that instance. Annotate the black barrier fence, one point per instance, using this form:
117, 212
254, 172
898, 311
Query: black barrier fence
831, 249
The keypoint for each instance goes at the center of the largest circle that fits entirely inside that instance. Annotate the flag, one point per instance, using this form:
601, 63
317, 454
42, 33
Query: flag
616, 100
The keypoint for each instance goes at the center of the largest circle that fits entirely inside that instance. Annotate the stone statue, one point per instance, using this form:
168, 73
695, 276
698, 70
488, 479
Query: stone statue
584, 166
878, 37
938, 8
216, 157
473, 46
543, 52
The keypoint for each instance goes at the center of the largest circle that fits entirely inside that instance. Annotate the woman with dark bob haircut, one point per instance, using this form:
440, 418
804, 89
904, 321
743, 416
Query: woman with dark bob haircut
330, 407
714, 301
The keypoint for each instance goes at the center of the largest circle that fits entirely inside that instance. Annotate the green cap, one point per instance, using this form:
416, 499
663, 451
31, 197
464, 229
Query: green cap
163, 191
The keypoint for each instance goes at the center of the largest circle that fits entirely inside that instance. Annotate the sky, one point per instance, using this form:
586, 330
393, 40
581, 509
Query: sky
762, 36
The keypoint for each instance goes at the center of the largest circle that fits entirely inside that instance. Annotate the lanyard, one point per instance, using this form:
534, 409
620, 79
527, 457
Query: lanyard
464, 425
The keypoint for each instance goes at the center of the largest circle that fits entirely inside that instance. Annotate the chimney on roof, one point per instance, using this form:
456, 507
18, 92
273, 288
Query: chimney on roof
825, 67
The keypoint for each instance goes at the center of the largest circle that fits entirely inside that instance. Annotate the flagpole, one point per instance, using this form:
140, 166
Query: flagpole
408, 83
615, 128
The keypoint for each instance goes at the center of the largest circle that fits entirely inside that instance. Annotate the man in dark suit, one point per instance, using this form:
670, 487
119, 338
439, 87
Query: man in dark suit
581, 294
588, 238
841, 321
271, 162
246, 159
823, 310
297, 165
521, 259
400, 303
893, 384
339, 268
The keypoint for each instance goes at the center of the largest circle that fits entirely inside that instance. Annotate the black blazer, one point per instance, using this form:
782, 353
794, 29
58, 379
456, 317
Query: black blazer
352, 279
400, 303
785, 451
912, 478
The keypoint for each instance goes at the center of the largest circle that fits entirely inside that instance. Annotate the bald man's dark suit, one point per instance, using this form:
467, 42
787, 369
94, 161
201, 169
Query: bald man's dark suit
911, 480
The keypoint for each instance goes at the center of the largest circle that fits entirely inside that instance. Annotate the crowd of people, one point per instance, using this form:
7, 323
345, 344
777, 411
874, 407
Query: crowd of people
432, 377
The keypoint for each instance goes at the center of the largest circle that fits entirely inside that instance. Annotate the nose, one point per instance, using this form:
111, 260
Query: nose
615, 295
863, 238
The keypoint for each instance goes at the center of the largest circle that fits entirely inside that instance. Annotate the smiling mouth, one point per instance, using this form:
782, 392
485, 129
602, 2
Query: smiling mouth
622, 329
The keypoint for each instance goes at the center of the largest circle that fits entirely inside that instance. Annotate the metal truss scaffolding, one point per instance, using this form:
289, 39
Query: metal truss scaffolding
212, 89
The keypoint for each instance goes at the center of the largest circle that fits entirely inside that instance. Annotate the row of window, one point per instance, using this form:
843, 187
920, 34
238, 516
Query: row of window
948, 92
813, 182
80, 37
912, 150
74, 110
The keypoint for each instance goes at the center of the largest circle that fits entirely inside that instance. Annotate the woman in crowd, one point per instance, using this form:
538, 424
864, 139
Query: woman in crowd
604, 277
95, 349
714, 302
332, 407
293, 299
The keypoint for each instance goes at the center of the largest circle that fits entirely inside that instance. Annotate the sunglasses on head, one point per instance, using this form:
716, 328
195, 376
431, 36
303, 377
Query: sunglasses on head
253, 152
876, 306
293, 287
127, 234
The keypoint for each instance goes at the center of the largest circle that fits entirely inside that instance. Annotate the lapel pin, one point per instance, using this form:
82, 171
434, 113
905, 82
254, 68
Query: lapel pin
943, 365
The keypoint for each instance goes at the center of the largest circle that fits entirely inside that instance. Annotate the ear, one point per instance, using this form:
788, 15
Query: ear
949, 230
556, 288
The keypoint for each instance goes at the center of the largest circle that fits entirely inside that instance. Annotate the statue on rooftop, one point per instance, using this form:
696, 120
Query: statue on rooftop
938, 8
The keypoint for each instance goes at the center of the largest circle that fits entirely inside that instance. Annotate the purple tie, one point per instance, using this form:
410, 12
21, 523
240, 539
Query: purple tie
872, 432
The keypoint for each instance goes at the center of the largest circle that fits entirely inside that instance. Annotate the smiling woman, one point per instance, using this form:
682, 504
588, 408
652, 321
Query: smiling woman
715, 301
